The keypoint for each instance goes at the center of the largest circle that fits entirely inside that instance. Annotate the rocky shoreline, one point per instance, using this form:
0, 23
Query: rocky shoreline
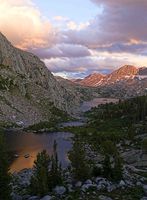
96, 185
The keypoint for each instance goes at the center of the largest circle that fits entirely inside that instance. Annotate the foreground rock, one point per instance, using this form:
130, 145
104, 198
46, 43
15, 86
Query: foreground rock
47, 197
60, 190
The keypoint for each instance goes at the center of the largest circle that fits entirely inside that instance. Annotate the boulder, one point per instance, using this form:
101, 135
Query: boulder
16, 197
70, 187
88, 186
88, 181
78, 184
34, 198
47, 197
122, 183
59, 190
110, 188
145, 189
102, 197
102, 183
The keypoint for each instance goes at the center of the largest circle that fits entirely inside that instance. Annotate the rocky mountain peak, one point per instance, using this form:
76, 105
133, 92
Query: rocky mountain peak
92, 79
143, 71
126, 75
27, 87
126, 70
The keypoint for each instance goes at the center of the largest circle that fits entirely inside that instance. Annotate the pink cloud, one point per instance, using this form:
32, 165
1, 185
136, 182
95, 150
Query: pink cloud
22, 23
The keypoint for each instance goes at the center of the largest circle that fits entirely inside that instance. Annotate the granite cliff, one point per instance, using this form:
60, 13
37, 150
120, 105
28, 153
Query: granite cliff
28, 90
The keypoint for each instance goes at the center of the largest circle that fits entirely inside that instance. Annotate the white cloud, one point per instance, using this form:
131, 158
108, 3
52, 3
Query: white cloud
23, 24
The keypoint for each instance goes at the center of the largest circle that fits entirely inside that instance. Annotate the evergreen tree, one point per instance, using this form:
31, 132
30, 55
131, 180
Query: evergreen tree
112, 165
80, 167
47, 173
5, 178
117, 170
107, 169
40, 179
55, 175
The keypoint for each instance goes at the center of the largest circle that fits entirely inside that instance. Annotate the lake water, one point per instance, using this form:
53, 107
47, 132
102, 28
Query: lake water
87, 105
22, 144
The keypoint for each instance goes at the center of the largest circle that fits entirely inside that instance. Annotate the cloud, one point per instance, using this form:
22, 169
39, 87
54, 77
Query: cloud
62, 50
116, 36
23, 24
119, 22
102, 62
138, 48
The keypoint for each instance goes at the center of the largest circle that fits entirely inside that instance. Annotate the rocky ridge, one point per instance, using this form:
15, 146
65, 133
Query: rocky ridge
28, 90
128, 81
125, 73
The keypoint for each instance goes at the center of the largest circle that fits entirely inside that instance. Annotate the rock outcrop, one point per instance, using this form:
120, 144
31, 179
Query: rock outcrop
28, 90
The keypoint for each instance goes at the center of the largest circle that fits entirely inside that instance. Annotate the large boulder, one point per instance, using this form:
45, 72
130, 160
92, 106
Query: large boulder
59, 190
47, 197
34, 198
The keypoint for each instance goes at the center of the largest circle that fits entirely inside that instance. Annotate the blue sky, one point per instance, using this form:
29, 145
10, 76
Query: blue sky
76, 10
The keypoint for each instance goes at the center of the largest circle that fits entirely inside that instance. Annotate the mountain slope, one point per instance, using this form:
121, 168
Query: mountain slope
92, 79
124, 73
96, 79
28, 90
124, 82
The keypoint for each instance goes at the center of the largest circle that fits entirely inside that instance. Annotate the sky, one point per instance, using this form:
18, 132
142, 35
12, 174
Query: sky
78, 37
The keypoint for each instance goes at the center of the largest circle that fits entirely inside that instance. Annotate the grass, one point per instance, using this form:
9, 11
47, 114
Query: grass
4, 125
48, 125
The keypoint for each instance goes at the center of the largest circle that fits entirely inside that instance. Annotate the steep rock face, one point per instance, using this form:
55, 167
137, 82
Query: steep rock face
84, 92
27, 87
124, 73
92, 79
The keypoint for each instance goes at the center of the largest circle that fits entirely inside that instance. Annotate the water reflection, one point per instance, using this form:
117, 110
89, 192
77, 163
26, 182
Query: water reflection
29, 143
87, 105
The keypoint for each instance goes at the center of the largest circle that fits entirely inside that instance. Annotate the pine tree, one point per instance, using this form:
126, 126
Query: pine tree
55, 175
40, 179
111, 169
117, 170
5, 178
80, 167
107, 170
47, 173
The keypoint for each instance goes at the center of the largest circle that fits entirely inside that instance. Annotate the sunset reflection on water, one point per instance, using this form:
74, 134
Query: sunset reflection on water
22, 144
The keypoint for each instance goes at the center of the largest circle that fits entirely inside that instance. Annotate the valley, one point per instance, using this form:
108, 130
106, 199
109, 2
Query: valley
19, 146
71, 139
110, 145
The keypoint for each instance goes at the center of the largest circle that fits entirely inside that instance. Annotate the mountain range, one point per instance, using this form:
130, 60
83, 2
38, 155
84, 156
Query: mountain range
125, 73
